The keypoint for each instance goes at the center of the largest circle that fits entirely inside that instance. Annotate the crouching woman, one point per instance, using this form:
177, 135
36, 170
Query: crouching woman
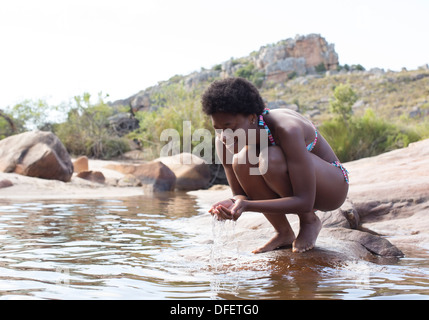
297, 173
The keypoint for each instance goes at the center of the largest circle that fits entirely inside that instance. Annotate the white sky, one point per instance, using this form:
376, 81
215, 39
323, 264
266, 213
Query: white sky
54, 50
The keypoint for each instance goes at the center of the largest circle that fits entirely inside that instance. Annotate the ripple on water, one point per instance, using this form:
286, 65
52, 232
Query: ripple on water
167, 247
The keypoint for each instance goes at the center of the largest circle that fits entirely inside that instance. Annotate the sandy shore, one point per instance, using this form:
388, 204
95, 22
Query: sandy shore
34, 188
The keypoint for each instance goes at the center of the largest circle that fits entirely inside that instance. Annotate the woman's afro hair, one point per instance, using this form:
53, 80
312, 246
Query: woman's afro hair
232, 95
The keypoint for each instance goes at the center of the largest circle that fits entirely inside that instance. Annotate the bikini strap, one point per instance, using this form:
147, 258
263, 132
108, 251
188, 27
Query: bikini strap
344, 170
266, 111
263, 124
311, 146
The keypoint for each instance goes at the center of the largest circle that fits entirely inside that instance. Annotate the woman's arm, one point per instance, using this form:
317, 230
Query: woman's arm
226, 158
222, 208
302, 175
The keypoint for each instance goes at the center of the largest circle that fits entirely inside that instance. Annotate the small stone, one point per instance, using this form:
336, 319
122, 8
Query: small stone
5, 183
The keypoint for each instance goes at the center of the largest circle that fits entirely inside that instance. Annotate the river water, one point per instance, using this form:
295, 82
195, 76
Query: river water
167, 247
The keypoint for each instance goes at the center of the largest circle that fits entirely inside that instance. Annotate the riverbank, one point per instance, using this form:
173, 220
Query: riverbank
28, 188
389, 196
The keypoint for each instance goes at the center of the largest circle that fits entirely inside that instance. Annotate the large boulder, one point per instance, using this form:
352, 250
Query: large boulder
154, 175
123, 123
36, 154
191, 171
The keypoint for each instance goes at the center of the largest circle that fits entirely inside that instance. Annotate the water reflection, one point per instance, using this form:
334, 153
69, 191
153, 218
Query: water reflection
167, 247
90, 246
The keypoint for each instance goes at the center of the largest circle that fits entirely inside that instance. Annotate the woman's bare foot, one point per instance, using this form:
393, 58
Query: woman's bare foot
279, 240
310, 227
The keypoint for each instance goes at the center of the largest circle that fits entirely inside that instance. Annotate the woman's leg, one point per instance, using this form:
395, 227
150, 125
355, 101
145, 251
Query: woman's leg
331, 191
259, 188
310, 224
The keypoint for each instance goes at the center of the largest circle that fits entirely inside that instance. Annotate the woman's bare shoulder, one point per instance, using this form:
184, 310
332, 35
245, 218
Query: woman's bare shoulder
286, 122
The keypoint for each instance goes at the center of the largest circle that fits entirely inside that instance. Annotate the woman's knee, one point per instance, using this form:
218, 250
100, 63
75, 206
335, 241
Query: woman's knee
272, 162
240, 162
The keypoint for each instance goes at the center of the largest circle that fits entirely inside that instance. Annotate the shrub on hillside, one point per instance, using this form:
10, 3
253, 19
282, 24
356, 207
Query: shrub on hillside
179, 105
365, 136
87, 130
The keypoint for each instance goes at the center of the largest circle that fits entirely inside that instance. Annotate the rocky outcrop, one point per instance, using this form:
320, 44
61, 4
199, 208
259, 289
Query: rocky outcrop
140, 101
390, 192
192, 172
272, 63
154, 176
389, 197
300, 56
123, 123
184, 171
36, 154
195, 78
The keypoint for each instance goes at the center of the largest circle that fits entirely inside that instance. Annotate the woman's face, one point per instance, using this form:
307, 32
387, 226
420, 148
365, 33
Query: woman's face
232, 129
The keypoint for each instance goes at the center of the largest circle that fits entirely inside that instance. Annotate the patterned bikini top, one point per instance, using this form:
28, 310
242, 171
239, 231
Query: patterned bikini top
262, 123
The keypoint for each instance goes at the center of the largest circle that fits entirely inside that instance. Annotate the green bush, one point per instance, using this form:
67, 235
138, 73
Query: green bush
365, 136
353, 137
32, 114
320, 68
87, 130
344, 98
178, 105
8, 125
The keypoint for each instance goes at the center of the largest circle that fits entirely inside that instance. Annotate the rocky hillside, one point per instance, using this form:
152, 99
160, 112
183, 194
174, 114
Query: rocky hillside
274, 63
301, 74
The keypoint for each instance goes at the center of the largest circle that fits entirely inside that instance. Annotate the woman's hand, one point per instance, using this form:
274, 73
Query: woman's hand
238, 208
229, 209
222, 208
